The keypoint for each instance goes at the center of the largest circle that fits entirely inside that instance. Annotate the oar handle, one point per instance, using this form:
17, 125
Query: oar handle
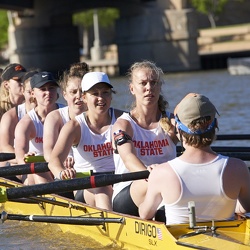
34, 158
70, 185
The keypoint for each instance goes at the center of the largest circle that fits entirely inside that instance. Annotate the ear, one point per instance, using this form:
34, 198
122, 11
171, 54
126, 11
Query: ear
131, 88
84, 98
6, 84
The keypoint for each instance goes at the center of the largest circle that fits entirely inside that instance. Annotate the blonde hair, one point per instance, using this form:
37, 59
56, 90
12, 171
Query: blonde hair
5, 103
162, 102
76, 70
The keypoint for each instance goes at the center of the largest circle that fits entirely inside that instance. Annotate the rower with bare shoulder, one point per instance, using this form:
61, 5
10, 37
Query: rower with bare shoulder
213, 181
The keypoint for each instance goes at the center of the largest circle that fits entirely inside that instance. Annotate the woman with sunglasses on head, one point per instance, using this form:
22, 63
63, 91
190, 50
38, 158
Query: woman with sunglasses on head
89, 136
143, 136
11, 89
13, 116
212, 182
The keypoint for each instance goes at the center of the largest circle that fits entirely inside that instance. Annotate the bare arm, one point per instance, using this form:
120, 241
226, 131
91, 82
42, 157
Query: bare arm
7, 131
68, 136
153, 198
52, 126
24, 132
127, 151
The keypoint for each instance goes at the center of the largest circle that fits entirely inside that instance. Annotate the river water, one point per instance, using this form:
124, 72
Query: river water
230, 95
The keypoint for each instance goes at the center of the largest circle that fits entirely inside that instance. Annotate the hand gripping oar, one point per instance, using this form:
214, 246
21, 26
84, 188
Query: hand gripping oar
61, 219
69, 185
39, 167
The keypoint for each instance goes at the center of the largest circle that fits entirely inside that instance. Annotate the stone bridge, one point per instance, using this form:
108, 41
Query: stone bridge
41, 34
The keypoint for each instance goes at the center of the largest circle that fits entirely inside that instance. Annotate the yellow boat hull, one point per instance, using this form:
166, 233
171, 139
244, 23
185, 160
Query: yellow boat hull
133, 233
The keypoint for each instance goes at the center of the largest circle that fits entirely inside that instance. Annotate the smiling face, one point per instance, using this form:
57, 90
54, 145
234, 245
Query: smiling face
145, 86
73, 96
98, 98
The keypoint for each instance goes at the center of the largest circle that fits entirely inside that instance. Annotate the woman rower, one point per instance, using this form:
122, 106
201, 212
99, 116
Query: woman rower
72, 93
143, 136
213, 181
29, 130
89, 134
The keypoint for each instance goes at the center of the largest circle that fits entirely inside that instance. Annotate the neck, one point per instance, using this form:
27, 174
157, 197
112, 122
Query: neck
98, 123
146, 118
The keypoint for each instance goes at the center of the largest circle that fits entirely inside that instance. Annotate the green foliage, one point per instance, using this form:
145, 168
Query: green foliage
209, 6
3, 28
106, 17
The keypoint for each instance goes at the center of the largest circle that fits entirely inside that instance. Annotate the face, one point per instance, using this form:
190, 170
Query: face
15, 87
98, 98
145, 86
73, 96
27, 91
45, 95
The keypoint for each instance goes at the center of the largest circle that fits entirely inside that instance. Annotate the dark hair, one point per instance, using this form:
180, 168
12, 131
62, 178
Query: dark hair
76, 70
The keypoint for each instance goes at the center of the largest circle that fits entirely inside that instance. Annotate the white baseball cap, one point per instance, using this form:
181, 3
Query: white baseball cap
92, 78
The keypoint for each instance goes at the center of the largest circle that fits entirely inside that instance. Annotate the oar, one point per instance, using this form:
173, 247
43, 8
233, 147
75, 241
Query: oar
61, 219
233, 137
39, 167
22, 169
69, 185
7, 156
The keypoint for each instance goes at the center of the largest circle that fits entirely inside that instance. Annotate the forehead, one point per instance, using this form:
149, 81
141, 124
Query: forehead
74, 83
144, 74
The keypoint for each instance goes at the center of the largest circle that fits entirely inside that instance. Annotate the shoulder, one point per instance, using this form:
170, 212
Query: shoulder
10, 114
53, 116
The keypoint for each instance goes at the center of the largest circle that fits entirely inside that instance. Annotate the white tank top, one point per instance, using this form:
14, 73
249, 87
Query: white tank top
204, 186
36, 144
152, 146
64, 112
94, 151
21, 111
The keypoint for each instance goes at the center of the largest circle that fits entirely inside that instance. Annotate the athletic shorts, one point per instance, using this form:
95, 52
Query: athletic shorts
123, 203
79, 196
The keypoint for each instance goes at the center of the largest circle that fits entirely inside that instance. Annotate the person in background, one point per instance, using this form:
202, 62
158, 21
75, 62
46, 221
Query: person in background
72, 93
89, 135
213, 181
29, 130
11, 89
143, 136
12, 117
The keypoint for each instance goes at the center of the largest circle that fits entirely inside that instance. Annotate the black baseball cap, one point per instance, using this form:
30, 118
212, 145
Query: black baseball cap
13, 71
41, 78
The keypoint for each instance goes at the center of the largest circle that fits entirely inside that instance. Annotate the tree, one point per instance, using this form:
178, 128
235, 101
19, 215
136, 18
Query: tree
3, 29
211, 8
106, 18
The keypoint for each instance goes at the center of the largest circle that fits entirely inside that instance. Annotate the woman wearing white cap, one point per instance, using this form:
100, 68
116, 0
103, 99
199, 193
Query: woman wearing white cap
142, 137
212, 181
90, 136
29, 130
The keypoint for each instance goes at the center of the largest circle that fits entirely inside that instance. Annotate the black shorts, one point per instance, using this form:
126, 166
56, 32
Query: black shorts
79, 196
123, 203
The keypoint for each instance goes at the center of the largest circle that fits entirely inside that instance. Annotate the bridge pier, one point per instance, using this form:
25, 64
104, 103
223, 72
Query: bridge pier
44, 39
166, 36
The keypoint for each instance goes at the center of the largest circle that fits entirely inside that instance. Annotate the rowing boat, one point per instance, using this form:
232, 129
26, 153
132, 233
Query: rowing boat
128, 232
